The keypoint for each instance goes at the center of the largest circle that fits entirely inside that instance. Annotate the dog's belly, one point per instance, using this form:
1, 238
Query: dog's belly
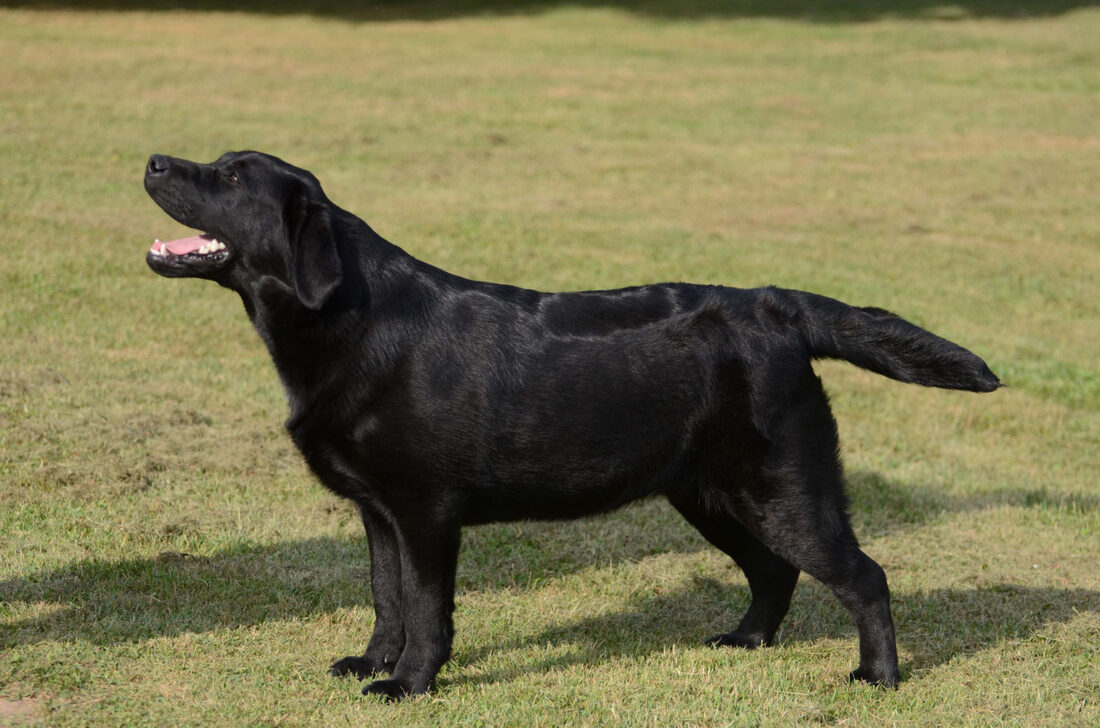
585, 468
556, 501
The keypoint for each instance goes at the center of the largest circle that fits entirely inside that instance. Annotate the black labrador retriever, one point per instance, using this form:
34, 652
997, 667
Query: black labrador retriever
433, 402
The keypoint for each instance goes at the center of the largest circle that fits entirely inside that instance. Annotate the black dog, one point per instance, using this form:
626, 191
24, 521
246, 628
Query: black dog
433, 402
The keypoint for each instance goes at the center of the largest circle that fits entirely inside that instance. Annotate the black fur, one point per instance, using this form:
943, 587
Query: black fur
434, 402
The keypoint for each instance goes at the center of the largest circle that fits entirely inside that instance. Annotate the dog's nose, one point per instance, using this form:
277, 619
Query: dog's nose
158, 164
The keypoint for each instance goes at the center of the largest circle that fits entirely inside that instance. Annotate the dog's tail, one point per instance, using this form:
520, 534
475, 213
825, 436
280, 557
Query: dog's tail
887, 344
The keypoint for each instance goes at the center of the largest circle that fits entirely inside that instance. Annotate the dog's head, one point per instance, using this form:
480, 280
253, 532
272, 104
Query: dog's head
258, 217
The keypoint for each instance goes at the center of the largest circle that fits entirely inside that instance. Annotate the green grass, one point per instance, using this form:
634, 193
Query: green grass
165, 558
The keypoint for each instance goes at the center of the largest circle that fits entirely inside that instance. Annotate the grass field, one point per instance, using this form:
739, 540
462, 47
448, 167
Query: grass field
165, 558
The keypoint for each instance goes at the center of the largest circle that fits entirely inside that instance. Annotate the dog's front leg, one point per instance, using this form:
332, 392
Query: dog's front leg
388, 639
429, 555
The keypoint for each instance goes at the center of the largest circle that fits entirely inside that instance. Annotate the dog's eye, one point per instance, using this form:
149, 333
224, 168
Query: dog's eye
231, 176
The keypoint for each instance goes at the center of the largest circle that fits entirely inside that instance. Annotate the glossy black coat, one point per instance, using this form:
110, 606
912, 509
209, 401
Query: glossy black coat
433, 402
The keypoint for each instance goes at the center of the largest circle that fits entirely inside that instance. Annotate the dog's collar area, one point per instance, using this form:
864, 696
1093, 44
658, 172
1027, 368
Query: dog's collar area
195, 247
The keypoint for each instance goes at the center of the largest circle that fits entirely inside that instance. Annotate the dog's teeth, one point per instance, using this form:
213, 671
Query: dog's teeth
204, 250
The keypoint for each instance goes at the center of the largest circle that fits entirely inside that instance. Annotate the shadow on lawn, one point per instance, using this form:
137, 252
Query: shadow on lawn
383, 10
111, 602
934, 627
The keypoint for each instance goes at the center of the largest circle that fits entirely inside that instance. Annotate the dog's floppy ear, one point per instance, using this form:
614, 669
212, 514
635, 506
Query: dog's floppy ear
314, 261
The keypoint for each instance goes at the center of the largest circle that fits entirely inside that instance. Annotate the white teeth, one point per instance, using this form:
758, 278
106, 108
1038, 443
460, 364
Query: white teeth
213, 246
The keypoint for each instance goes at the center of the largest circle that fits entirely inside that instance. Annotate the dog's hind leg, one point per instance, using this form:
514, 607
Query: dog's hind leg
793, 501
780, 477
829, 552
771, 579
388, 639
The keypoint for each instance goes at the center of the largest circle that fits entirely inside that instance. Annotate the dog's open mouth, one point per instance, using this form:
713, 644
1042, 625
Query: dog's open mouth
192, 255
196, 247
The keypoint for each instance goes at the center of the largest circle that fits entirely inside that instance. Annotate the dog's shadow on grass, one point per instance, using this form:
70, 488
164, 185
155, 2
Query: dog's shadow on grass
935, 627
107, 603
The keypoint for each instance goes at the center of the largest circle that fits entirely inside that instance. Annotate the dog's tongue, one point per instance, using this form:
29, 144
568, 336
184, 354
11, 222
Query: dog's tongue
183, 246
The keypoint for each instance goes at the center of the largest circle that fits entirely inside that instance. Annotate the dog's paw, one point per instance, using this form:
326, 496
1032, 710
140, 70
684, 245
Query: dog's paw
360, 667
877, 678
736, 639
391, 690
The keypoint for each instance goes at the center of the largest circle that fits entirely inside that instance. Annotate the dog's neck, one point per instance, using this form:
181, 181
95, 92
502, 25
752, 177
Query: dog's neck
315, 350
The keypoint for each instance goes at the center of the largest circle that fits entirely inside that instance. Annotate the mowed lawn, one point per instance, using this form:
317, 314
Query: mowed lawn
166, 559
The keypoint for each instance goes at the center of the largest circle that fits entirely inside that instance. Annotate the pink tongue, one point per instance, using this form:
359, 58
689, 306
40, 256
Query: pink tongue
183, 246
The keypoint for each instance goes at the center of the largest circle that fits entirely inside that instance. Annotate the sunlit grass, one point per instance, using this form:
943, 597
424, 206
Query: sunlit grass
165, 558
